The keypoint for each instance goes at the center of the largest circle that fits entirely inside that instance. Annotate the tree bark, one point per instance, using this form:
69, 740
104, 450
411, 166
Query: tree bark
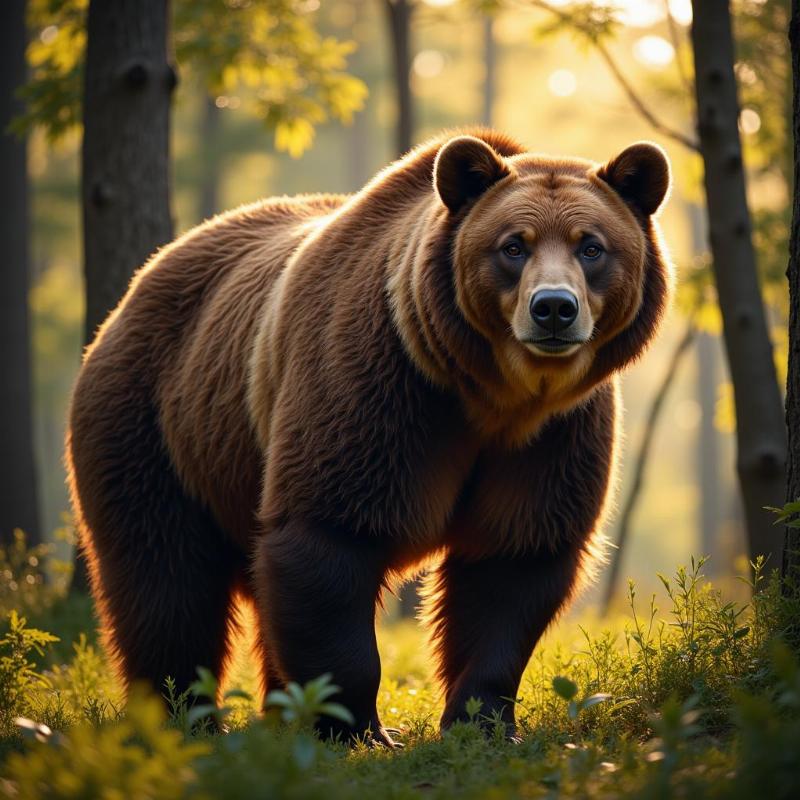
125, 154
399, 16
708, 519
125, 157
399, 13
490, 67
708, 455
760, 428
18, 501
791, 556
642, 460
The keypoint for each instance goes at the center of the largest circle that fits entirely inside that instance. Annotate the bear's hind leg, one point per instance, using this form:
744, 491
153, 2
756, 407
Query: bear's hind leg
162, 572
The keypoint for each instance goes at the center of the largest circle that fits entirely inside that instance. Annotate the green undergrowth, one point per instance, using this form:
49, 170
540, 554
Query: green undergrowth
699, 698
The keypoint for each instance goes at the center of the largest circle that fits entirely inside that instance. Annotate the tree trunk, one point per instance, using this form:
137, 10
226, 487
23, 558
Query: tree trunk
490, 70
760, 429
125, 154
708, 455
125, 186
399, 15
642, 460
791, 556
18, 502
708, 437
358, 135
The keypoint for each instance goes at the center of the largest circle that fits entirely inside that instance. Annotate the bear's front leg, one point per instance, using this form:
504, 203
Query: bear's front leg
316, 589
488, 616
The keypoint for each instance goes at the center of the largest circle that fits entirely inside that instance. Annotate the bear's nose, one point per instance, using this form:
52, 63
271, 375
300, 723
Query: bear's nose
554, 309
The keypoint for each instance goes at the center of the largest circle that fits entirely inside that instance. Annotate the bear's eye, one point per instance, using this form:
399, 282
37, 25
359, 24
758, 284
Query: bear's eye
513, 250
591, 251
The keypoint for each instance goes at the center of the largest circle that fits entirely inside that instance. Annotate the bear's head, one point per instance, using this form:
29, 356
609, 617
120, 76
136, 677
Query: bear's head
556, 262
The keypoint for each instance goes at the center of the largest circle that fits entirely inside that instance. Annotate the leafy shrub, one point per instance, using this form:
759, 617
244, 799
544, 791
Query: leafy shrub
702, 700
19, 680
136, 756
24, 583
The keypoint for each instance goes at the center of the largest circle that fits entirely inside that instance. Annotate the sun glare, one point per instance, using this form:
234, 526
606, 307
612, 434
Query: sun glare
640, 13
48, 35
681, 11
749, 121
562, 83
653, 51
428, 63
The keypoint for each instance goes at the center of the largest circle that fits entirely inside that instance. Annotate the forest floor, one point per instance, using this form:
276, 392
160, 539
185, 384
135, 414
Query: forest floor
699, 700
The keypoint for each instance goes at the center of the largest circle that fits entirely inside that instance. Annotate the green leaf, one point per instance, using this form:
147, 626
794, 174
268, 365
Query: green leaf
279, 698
304, 751
240, 694
630, 701
564, 687
473, 707
337, 711
594, 700
198, 713
296, 694
206, 685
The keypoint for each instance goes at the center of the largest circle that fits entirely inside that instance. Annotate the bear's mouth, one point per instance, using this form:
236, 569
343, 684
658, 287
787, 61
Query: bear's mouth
553, 345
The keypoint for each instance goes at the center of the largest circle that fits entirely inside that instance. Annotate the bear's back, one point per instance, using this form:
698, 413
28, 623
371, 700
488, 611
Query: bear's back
182, 335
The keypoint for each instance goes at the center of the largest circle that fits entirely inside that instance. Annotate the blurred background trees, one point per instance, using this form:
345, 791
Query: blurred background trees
18, 480
263, 89
791, 556
125, 169
761, 431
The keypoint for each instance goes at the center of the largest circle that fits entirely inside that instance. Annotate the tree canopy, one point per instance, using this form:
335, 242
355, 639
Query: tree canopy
267, 56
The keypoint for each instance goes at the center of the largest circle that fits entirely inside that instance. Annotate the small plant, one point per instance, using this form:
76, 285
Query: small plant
674, 725
647, 637
136, 756
206, 688
301, 706
567, 690
19, 679
23, 585
473, 708
178, 704
788, 514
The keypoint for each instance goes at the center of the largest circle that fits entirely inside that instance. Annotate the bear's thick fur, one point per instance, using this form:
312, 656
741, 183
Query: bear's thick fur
301, 400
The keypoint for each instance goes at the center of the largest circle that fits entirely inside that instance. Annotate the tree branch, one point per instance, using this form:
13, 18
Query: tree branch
676, 46
641, 107
642, 457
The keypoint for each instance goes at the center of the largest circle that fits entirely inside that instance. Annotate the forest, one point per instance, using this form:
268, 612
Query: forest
675, 671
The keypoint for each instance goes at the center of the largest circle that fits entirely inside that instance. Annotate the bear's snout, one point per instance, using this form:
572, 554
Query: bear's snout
554, 310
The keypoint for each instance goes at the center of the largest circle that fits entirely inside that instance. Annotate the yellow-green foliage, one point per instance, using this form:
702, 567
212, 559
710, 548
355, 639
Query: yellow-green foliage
22, 576
701, 700
268, 55
19, 680
137, 756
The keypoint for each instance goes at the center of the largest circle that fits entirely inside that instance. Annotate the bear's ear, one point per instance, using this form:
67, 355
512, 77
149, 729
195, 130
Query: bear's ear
639, 175
464, 169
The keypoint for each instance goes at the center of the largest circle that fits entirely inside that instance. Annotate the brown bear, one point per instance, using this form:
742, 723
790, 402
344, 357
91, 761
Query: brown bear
300, 401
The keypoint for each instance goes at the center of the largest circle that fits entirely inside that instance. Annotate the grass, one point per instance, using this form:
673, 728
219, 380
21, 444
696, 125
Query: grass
701, 699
